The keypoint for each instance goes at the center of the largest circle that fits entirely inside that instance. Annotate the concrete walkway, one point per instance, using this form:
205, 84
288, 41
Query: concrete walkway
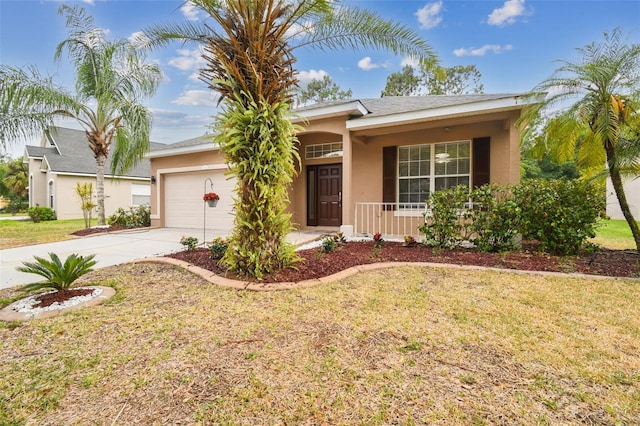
112, 249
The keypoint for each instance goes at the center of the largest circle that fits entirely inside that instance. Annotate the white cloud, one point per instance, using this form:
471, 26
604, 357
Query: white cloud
429, 15
507, 14
207, 98
495, 48
187, 60
409, 60
367, 65
190, 11
300, 30
307, 76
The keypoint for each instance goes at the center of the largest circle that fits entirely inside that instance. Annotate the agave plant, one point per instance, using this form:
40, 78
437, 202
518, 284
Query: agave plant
58, 276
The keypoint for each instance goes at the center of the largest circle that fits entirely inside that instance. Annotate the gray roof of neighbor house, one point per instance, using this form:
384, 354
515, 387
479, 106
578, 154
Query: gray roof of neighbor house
67, 151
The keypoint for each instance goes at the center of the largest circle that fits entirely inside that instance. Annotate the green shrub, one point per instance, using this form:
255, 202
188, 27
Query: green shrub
446, 227
41, 214
189, 243
58, 276
132, 218
328, 244
495, 219
218, 248
560, 214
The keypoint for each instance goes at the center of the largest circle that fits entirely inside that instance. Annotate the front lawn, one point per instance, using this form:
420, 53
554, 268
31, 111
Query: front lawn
405, 345
615, 234
18, 233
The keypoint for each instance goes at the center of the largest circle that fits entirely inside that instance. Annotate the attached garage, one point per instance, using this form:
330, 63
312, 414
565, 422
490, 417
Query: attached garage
183, 203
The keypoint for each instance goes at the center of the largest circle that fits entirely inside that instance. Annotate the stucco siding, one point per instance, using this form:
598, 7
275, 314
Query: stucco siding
118, 194
632, 192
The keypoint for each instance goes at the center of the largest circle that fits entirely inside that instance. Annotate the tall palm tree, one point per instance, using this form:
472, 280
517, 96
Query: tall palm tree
599, 116
111, 80
249, 52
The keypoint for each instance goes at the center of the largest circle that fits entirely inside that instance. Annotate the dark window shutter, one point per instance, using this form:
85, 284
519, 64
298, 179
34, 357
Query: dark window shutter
389, 174
481, 161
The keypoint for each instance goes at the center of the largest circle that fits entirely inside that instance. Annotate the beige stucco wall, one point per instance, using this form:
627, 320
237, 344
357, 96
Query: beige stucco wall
37, 184
631, 191
117, 193
179, 163
366, 154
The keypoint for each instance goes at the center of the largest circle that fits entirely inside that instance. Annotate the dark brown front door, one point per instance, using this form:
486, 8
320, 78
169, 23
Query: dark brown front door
325, 195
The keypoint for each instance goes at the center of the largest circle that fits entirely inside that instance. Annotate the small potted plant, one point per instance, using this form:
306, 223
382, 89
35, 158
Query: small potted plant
211, 198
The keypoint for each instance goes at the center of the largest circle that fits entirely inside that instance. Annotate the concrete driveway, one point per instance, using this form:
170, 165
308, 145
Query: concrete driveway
111, 249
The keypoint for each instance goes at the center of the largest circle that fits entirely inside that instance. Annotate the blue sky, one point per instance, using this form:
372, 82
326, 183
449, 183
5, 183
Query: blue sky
513, 43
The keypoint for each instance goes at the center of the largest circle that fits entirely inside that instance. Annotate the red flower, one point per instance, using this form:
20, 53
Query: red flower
211, 196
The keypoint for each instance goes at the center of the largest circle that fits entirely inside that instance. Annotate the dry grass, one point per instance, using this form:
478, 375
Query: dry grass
399, 346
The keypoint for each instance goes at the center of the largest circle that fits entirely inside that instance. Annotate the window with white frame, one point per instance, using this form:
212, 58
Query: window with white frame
140, 194
423, 169
323, 150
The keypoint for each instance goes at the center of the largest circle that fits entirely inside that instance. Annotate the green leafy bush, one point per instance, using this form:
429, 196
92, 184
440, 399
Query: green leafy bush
132, 217
41, 214
560, 214
446, 226
189, 243
495, 219
58, 276
218, 248
328, 244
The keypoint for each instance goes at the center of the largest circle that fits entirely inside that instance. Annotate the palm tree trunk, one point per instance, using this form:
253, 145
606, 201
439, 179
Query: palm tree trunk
616, 180
100, 160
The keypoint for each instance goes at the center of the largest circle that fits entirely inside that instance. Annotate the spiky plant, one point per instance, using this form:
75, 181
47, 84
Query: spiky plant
250, 63
59, 276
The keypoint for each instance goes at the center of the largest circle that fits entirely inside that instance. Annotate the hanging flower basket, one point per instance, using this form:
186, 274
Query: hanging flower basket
211, 198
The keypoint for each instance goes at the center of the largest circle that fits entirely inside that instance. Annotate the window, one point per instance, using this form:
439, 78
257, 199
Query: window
51, 199
140, 194
423, 169
323, 150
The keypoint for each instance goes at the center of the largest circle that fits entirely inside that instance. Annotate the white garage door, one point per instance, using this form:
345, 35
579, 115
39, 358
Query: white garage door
184, 206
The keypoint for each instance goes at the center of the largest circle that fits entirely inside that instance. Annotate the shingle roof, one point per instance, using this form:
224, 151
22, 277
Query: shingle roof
390, 105
75, 155
200, 140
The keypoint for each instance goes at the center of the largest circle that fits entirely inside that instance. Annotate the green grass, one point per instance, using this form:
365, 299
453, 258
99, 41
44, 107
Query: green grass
614, 234
404, 346
15, 233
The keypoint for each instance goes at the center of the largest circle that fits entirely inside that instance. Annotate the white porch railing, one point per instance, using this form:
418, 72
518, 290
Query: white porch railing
389, 219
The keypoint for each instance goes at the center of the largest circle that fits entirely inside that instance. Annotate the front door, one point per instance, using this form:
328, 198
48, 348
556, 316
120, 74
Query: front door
324, 195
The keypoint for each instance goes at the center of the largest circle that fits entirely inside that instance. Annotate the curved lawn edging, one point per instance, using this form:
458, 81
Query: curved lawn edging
254, 286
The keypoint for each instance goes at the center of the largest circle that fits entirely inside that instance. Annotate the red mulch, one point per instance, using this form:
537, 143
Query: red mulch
48, 299
90, 231
618, 263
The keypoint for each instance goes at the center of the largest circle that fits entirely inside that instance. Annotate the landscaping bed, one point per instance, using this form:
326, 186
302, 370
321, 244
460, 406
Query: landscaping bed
315, 264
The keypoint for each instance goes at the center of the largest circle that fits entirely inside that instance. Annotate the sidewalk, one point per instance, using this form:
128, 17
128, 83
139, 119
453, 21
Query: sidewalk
111, 249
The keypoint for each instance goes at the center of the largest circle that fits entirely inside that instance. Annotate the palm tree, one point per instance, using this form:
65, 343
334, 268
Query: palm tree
598, 122
16, 178
250, 63
111, 80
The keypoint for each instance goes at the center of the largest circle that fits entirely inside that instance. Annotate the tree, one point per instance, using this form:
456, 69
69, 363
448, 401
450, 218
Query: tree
111, 80
434, 79
598, 121
15, 178
403, 83
250, 62
323, 90
85, 193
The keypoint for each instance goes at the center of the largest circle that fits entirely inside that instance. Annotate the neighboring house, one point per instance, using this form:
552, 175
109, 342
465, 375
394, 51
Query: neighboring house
63, 159
632, 192
366, 165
